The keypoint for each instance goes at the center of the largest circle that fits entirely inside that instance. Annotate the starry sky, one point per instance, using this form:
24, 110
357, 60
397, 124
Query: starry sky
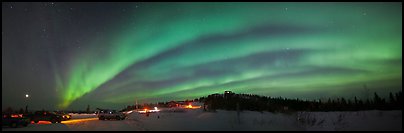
70, 55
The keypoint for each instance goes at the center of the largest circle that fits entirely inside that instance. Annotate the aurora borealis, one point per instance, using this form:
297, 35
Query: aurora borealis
69, 55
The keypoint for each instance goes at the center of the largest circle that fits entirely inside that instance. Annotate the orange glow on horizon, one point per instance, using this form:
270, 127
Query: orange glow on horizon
78, 120
192, 107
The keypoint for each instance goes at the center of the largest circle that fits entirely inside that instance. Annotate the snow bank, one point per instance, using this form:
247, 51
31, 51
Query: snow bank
352, 121
249, 120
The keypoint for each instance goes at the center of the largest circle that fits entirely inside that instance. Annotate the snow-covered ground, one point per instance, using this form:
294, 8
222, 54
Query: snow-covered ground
197, 120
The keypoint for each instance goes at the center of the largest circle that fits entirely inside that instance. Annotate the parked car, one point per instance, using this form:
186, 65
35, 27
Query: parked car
64, 115
15, 120
46, 116
110, 114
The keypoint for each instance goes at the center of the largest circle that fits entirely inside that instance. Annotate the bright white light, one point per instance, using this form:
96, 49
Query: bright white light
155, 108
26, 95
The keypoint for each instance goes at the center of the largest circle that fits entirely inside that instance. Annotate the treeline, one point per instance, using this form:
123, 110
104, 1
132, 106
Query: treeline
232, 101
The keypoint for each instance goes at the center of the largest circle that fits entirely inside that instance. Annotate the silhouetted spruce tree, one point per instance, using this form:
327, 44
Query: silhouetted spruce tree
21, 111
360, 105
399, 99
349, 105
391, 97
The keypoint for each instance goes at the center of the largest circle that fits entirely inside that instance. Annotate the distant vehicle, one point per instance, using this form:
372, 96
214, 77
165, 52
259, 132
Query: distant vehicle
64, 115
15, 120
110, 114
46, 116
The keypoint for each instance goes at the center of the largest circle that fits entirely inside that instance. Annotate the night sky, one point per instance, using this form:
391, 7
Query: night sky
70, 55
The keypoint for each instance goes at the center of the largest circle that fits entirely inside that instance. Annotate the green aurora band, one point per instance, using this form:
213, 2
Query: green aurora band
169, 51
